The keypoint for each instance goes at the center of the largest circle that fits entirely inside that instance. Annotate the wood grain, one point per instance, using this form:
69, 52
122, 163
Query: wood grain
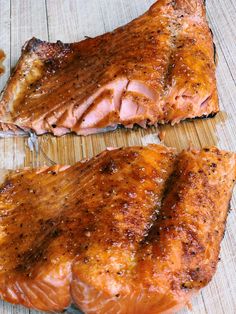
71, 20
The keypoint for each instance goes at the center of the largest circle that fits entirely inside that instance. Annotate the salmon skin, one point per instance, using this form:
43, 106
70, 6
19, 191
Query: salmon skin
133, 230
10, 129
159, 68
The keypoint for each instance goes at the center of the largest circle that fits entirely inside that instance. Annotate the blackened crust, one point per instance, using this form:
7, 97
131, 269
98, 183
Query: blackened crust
32, 45
211, 115
46, 50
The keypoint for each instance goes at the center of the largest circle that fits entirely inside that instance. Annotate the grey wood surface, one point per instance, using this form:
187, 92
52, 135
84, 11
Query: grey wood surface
71, 20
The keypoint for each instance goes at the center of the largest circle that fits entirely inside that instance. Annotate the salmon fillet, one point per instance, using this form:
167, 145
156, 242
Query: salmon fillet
159, 68
132, 230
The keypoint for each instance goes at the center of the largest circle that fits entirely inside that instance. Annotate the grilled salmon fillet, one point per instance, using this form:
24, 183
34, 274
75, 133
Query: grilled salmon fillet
159, 68
133, 230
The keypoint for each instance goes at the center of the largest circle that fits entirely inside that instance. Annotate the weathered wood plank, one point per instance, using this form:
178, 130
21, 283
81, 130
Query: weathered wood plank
71, 20
28, 19
6, 146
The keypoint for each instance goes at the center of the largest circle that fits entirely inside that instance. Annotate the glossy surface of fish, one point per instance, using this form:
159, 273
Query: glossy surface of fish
159, 68
133, 230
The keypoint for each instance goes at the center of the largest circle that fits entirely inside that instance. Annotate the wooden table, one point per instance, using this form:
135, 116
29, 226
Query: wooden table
71, 20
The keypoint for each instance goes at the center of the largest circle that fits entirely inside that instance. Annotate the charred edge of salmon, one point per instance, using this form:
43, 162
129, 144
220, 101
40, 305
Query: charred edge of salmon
34, 43
227, 215
214, 47
48, 52
31, 45
209, 116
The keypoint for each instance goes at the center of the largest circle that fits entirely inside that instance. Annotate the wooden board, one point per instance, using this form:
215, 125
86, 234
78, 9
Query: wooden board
71, 20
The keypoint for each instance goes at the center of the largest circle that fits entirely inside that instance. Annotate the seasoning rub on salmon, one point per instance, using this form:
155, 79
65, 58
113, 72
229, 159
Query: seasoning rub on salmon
133, 230
157, 69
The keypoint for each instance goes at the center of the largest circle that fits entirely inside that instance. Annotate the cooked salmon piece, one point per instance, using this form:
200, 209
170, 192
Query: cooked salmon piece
133, 230
159, 68
2, 58
51, 215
